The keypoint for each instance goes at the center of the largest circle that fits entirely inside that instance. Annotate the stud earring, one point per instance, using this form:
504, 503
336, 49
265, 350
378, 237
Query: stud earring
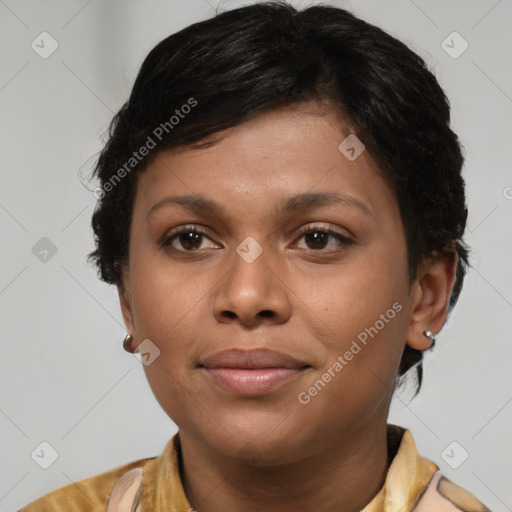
127, 343
431, 336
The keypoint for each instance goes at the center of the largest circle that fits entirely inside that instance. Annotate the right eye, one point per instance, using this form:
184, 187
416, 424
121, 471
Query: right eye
189, 237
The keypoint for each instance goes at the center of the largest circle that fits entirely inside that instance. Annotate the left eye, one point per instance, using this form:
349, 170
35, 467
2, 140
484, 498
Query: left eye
318, 238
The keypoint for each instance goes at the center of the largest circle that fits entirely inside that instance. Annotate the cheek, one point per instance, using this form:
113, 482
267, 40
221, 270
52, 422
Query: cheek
368, 343
364, 306
363, 295
167, 295
173, 391
358, 378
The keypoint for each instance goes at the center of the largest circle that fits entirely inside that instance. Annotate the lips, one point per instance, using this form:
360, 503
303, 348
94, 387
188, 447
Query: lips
252, 372
251, 359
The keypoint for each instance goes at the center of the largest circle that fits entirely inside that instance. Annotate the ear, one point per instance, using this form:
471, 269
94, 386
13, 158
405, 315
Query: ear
430, 297
126, 306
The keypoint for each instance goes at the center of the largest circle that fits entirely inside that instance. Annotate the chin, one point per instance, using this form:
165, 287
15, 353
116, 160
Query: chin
257, 439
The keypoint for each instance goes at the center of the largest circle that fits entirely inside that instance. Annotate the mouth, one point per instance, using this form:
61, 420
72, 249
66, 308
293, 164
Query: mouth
252, 372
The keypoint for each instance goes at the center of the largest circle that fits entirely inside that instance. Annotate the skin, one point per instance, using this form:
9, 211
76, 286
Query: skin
271, 451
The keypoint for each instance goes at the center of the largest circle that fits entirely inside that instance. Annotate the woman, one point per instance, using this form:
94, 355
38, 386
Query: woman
282, 212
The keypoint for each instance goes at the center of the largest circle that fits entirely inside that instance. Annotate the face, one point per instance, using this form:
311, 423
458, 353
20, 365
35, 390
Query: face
292, 247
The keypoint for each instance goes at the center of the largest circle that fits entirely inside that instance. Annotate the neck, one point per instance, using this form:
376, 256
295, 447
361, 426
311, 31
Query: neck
344, 476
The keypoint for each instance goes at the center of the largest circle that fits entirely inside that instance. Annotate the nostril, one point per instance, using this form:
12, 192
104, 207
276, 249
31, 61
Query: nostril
266, 313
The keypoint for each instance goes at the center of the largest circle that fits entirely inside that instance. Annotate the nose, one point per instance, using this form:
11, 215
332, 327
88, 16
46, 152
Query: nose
253, 292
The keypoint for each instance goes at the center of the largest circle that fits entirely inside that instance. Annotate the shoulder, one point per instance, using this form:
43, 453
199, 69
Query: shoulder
90, 493
416, 484
444, 495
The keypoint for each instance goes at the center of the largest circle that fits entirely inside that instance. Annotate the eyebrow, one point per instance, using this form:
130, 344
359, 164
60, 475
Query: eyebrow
293, 204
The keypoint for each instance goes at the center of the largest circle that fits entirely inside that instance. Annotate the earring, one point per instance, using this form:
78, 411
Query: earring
127, 343
431, 335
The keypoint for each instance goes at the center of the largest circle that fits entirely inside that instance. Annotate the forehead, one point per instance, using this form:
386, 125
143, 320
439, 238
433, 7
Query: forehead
259, 163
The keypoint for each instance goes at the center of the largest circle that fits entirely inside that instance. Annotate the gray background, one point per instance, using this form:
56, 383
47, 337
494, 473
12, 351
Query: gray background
64, 377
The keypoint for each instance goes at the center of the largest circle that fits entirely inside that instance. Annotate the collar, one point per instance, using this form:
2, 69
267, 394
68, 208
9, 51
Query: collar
407, 477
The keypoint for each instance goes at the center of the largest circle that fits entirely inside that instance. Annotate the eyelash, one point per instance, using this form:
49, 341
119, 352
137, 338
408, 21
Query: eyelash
344, 240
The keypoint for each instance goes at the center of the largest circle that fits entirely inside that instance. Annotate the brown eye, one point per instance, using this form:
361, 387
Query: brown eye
185, 240
317, 239
190, 240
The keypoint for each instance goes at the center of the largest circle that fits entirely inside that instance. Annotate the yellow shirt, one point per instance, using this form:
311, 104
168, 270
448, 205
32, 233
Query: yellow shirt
413, 484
